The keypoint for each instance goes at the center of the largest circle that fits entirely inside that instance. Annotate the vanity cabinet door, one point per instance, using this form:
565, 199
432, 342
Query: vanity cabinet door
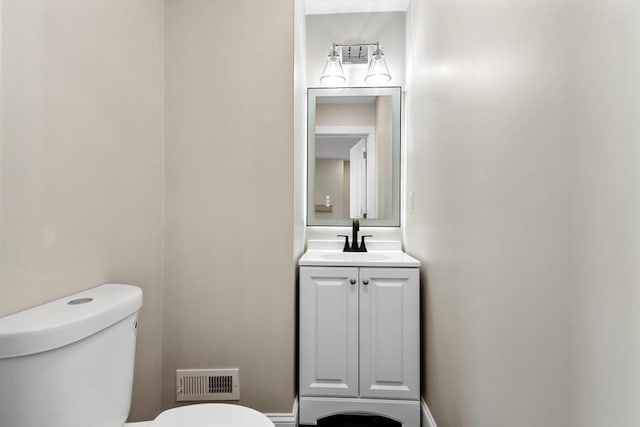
329, 331
389, 333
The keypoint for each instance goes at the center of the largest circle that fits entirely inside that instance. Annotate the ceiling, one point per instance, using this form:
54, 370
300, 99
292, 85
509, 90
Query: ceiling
318, 7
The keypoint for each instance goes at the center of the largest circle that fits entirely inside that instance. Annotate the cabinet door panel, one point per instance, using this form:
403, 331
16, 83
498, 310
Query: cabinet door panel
328, 332
389, 333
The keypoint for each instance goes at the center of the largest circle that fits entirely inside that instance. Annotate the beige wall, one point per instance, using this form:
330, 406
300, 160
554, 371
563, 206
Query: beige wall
384, 154
229, 270
330, 181
345, 115
82, 179
522, 154
81, 159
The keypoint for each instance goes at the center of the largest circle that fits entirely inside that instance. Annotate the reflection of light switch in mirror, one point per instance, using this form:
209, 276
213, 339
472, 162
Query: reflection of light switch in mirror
410, 202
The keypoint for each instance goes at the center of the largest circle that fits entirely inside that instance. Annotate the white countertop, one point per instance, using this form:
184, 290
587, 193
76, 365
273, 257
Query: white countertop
327, 253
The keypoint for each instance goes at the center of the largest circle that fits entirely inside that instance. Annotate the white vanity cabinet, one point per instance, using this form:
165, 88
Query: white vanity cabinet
359, 341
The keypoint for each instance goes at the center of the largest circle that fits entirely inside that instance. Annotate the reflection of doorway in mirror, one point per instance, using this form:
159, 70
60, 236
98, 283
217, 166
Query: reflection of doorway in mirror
346, 165
330, 177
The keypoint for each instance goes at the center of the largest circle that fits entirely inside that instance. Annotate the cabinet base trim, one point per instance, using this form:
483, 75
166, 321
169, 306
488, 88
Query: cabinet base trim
406, 412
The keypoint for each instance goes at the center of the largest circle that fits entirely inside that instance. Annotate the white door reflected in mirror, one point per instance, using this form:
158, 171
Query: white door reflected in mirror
358, 180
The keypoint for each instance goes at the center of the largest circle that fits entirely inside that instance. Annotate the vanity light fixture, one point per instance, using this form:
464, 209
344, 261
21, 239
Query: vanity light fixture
361, 53
378, 71
332, 73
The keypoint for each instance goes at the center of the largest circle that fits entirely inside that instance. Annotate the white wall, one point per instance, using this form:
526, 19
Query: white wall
299, 129
82, 159
349, 28
523, 157
605, 223
321, 30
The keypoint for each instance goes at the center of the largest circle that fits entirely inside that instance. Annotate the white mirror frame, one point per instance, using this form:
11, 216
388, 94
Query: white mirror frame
312, 94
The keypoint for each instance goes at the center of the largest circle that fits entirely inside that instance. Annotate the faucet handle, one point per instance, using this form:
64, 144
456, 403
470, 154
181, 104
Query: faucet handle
346, 242
363, 248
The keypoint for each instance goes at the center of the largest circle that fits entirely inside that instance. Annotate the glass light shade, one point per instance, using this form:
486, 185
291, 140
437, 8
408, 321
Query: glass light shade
332, 73
378, 71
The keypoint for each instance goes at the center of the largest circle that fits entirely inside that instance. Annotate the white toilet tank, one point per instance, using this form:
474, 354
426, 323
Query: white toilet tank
69, 363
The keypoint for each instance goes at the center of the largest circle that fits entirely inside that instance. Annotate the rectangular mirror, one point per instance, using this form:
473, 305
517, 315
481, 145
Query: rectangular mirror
353, 156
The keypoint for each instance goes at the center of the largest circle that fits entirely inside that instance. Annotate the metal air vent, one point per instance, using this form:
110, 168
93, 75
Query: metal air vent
207, 384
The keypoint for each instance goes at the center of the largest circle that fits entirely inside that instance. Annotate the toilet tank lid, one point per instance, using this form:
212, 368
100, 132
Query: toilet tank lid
67, 320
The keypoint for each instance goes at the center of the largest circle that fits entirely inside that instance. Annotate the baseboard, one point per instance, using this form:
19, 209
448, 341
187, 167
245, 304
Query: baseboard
286, 419
427, 418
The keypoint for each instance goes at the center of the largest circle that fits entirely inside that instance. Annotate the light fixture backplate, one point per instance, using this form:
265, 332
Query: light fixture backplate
356, 53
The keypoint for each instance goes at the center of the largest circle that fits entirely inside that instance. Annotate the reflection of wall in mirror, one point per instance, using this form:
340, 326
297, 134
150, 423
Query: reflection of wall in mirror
330, 181
346, 195
345, 115
380, 115
384, 118
333, 175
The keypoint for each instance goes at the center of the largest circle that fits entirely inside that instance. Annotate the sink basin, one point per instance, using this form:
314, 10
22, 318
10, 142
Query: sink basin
327, 253
338, 256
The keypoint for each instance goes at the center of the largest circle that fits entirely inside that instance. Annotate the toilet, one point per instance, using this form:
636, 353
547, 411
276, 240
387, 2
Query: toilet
69, 363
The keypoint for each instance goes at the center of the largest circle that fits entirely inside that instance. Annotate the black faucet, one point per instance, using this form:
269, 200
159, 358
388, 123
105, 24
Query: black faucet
354, 247
355, 227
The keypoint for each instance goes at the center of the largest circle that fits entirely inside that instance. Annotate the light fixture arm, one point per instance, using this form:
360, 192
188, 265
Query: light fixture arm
332, 73
378, 71
378, 49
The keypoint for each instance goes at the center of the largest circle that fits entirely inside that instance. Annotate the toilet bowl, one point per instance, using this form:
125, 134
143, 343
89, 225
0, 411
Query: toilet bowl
73, 359
208, 415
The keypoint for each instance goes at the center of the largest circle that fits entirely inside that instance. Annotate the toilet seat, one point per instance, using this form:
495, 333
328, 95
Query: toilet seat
211, 415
